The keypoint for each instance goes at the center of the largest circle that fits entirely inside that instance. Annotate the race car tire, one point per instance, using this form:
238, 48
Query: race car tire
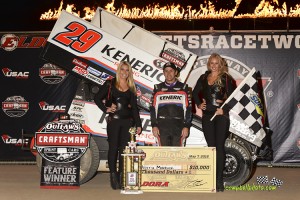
238, 164
89, 162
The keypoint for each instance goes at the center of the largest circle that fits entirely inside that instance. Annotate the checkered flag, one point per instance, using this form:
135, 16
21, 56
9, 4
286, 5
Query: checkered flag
276, 182
246, 110
262, 180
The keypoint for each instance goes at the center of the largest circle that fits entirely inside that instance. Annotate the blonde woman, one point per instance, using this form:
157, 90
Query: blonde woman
123, 114
214, 87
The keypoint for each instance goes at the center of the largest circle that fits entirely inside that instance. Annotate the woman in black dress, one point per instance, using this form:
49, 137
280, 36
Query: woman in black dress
123, 114
215, 86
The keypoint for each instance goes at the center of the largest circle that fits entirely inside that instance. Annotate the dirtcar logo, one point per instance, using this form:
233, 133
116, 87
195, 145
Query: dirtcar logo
15, 141
62, 141
19, 75
10, 42
15, 106
51, 74
45, 106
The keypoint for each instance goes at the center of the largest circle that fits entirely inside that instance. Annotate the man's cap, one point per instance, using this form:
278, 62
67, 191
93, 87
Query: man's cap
169, 64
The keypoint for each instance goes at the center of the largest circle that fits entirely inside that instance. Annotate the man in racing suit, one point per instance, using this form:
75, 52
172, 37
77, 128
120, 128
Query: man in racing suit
170, 110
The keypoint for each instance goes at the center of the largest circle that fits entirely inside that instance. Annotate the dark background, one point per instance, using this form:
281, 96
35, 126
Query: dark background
24, 15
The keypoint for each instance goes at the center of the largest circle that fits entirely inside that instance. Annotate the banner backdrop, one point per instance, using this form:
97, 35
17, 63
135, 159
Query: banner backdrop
34, 91
276, 57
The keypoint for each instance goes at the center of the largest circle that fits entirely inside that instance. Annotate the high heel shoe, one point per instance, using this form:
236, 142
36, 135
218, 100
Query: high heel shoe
114, 181
220, 186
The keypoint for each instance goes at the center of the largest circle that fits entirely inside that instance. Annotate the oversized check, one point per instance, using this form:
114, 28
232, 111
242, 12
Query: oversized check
179, 169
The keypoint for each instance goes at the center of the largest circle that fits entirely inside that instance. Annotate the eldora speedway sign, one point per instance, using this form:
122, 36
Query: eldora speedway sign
61, 144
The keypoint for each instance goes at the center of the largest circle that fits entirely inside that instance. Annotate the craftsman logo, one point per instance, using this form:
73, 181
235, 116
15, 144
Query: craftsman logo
14, 141
54, 108
10, 42
62, 141
155, 184
18, 75
51, 74
15, 106
174, 56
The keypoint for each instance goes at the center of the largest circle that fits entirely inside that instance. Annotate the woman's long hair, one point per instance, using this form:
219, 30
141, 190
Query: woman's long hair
130, 80
223, 69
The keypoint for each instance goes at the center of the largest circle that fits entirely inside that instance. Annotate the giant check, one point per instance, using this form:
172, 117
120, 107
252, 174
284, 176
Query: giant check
179, 169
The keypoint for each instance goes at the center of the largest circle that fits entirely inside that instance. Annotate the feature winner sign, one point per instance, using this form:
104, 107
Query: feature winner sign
179, 169
61, 144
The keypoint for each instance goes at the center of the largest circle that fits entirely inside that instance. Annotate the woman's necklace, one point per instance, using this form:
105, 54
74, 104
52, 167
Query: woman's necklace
211, 79
123, 87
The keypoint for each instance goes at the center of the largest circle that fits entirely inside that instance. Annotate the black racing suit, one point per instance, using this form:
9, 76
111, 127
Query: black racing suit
171, 111
215, 131
125, 116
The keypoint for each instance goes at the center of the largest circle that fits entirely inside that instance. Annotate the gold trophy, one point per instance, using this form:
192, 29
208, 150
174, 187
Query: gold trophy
132, 171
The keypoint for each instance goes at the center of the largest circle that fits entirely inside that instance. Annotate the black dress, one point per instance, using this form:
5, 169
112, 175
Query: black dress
125, 116
215, 131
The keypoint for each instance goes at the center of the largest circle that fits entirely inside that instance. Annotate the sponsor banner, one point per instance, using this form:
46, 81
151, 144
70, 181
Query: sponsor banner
179, 169
61, 144
275, 58
60, 176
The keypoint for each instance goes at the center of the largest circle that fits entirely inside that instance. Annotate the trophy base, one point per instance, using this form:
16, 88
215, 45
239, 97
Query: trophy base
131, 192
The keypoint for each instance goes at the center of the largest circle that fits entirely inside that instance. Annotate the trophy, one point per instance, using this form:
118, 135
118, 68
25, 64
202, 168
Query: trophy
132, 171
